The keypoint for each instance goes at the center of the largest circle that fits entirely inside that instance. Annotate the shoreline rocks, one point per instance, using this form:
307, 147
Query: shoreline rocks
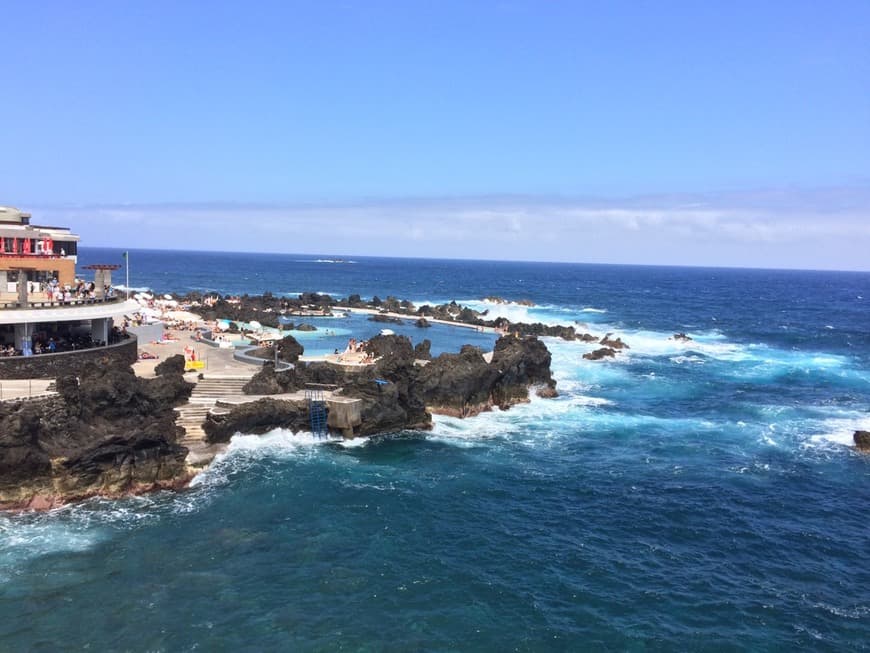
396, 393
599, 354
107, 433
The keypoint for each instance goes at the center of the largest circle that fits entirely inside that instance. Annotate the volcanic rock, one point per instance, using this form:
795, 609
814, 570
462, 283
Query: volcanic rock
520, 362
269, 382
107, 432
862, 440
289, 350
607, 341
458, 384
257, 417
379, 317
598, 354
423, 350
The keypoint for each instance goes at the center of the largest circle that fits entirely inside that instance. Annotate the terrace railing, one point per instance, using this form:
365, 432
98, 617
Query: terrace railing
11, 304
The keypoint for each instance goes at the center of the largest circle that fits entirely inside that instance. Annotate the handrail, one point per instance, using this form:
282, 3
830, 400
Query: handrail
39, 305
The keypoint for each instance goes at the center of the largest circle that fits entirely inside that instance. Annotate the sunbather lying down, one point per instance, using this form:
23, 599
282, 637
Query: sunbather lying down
147, 355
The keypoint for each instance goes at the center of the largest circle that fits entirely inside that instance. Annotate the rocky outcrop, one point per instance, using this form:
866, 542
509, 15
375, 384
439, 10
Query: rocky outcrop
289, 350
458, 384
388, 406
387, 319
422, 323
598, 354
423, 350
681, 337
542, 330
269, 382
465, 384
257, 417
520, 363
396, 394
613, 343
495, 299
862, 440
107, 433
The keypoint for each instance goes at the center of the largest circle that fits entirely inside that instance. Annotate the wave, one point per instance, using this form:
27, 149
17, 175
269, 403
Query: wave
124, 288
72, 528
545, 313
293, 294
839, 430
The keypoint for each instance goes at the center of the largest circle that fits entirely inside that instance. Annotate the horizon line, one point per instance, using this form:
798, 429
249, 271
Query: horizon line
347, 257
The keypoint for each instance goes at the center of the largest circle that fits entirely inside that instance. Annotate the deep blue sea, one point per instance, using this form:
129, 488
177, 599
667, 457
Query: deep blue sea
694, 496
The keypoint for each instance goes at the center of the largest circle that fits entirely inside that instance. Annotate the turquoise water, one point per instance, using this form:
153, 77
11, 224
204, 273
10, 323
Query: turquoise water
687, 496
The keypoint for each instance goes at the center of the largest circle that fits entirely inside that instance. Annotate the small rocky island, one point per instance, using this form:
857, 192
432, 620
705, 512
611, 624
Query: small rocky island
400, 390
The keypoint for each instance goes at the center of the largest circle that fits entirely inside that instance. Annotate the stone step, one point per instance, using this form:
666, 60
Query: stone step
234, 384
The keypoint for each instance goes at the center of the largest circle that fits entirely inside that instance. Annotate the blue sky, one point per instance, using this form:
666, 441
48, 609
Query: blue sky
741, 129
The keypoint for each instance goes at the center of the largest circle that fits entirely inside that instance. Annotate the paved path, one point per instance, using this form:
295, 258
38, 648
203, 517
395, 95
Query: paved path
16, 389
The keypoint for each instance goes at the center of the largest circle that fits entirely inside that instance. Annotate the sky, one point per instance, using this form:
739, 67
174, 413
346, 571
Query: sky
680, 133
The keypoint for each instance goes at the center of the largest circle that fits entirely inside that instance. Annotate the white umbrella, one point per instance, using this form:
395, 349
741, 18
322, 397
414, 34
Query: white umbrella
184, 316
256, 326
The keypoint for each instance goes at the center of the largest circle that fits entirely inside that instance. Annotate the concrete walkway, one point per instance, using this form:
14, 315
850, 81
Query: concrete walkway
17, 389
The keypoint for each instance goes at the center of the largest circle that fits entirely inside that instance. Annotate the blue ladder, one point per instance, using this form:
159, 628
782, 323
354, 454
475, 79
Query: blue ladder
317, 412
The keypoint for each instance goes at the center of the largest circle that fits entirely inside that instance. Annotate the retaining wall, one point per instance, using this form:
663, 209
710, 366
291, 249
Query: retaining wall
51, 366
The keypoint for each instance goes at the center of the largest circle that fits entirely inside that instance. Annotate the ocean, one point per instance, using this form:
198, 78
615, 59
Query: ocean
687, 496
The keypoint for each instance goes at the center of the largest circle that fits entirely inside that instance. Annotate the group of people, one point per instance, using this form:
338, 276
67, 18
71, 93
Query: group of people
355, 353
54, 292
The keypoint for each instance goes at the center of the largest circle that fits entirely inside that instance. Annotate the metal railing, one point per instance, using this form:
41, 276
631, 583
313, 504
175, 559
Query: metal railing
26, 389
45, 303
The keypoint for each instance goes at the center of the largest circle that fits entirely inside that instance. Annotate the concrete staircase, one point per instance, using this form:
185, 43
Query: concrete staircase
203, 400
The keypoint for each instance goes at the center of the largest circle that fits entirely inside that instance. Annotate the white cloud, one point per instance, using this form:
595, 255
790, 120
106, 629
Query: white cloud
827, 228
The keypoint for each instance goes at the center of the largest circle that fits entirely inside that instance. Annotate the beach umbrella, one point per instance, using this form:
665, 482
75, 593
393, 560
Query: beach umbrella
15, 245
27, 245
256, 326
2, 245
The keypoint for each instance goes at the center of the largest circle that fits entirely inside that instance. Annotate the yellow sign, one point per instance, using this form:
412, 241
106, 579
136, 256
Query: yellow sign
194, 365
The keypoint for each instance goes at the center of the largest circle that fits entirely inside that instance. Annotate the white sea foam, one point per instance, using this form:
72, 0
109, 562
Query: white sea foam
295, 293
592, 309
518, 313
354, 443
68, 529
124, 288
278, 441
245, 450
839, 430
680, 360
